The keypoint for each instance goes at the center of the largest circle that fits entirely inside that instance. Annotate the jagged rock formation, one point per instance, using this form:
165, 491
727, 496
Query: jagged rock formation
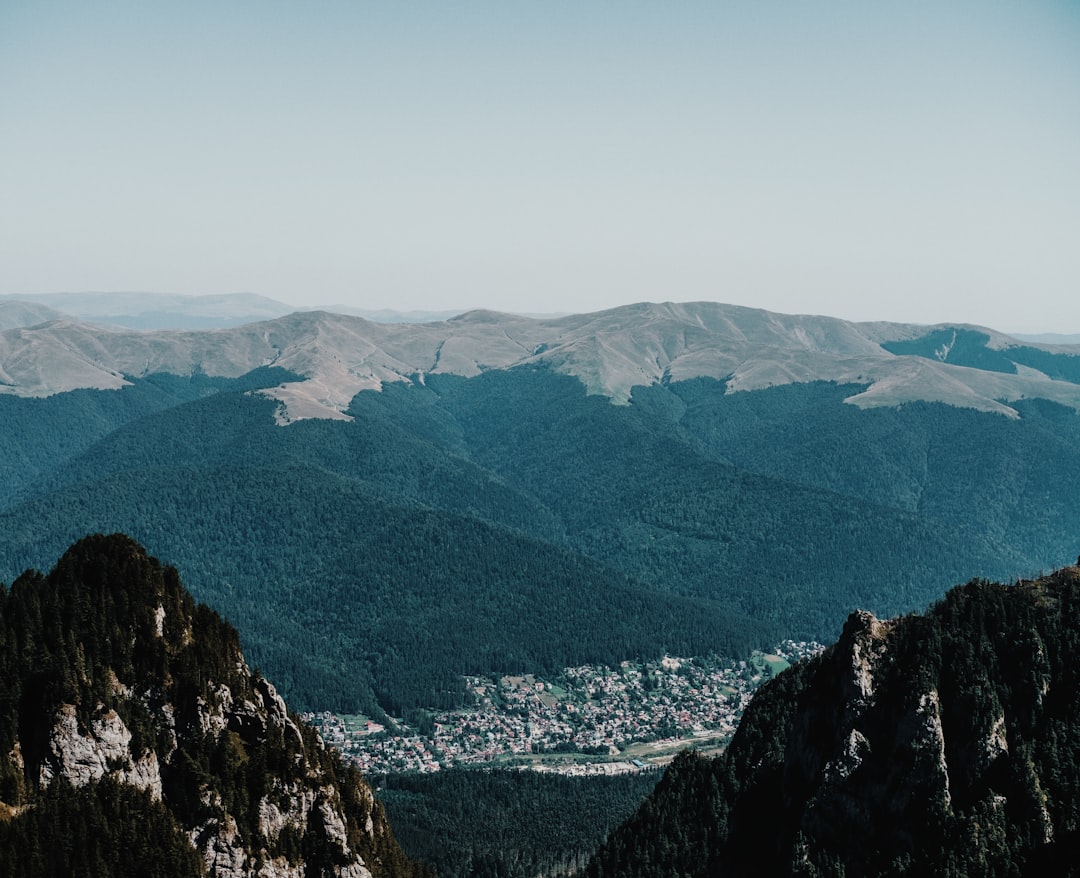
113, 680
944, 744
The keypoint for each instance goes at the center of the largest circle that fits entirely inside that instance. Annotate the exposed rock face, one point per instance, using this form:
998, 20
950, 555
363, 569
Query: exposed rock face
903, 753
179, 716
943, 744
104, 749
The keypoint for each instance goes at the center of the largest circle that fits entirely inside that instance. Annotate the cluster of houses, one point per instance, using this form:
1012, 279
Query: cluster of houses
586, 716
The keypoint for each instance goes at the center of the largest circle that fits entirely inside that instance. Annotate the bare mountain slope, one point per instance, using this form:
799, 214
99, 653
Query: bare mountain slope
610, 351
15, 313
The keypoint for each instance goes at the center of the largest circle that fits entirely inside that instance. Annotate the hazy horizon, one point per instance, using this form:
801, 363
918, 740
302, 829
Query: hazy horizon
391, 315
912, 164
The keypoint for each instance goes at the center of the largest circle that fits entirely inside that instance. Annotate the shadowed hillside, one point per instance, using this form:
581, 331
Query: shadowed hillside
135, 741
943, 744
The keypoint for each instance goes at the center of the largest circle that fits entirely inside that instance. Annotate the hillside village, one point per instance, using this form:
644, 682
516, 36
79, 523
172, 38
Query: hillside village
588, 719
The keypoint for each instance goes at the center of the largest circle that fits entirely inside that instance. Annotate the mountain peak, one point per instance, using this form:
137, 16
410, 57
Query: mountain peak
481, 315
114, 679
935, 744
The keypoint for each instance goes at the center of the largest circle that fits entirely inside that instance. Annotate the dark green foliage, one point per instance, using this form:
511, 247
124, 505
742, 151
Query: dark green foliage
111, 629
956, 755
41, 433
401, 600
677, 827
514, 824
510, 522
997, 488
102, 830
1060, 367
87, 631
652, 489
960, 347
967, 347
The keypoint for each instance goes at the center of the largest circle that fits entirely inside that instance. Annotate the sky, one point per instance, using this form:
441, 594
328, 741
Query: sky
916, 162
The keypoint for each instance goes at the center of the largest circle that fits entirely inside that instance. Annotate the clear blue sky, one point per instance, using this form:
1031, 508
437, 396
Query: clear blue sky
905, 161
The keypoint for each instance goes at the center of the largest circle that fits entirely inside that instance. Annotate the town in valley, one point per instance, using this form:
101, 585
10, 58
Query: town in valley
585, 720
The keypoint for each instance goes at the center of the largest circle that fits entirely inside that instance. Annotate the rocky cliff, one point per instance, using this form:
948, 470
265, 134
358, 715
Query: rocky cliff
113, 681
944, 744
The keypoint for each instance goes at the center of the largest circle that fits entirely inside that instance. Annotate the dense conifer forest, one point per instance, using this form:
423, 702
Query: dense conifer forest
507, 824
103, 829
511, 522
111, 637
943, 744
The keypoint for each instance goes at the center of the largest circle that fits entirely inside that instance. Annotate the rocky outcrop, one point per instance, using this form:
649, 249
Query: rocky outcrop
104, 749
943, 744
901, 743
152, 692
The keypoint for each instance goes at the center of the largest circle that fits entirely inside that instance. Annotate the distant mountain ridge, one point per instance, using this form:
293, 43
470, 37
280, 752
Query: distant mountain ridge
138, 310
170, 311
16, 314
610, 352
1049, 338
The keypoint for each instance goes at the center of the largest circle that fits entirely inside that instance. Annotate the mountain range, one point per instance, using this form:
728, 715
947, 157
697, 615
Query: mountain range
163, 311
610, 352
141, 310
383, 508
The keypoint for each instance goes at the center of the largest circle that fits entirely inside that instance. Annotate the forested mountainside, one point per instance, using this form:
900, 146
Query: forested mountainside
482, 823
134, 741
511, 522
513, 519
938, 744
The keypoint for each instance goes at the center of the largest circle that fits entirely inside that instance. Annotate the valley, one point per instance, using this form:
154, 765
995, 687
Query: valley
521, 516
493, 563
585, 720
539, 440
